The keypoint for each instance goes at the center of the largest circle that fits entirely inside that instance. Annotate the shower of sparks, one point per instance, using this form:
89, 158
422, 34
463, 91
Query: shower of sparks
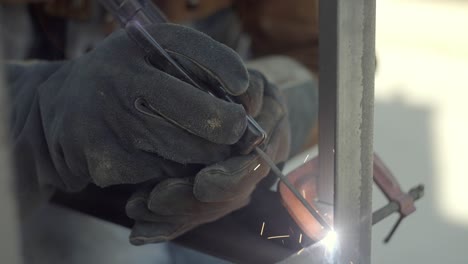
300, 239
263, 227
300, 251
275, 237
257, 167
306, 158
304, 194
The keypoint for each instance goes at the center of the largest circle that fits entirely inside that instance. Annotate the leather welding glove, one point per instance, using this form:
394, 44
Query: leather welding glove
111, 117
176, 205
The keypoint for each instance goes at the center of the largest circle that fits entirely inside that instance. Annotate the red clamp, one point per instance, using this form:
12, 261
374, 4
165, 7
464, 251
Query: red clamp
398, 200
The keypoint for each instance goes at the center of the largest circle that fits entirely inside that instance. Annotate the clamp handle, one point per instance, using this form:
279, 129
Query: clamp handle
399, 201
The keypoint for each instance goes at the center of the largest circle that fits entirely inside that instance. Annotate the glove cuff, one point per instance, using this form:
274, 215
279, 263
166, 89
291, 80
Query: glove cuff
35, 172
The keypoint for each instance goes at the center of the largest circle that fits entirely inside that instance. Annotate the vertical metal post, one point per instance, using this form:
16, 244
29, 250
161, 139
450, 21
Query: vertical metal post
328, 66
9, 232
347, 65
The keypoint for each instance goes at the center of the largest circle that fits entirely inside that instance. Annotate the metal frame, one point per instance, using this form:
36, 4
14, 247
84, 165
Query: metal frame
347, 67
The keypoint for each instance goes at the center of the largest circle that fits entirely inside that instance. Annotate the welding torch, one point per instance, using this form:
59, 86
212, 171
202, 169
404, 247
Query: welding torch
134, 15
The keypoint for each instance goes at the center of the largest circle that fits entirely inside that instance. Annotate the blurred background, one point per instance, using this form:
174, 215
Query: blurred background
421, 126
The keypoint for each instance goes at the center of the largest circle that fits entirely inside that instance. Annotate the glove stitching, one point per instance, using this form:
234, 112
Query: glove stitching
157, 114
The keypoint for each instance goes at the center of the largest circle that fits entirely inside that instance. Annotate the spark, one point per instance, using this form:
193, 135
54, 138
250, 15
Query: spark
300, 238
306, 158
257, 167
275, 237
263, 227
300, 251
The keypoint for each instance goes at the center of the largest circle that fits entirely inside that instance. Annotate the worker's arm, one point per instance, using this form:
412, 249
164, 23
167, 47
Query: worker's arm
32, 159
288, 28
276, 27
279, 27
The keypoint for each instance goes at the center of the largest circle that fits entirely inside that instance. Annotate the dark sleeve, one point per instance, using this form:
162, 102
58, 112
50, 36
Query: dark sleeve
279, 27
31, 158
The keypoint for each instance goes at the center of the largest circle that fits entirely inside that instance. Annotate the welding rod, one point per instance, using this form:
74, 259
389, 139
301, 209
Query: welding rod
131, 14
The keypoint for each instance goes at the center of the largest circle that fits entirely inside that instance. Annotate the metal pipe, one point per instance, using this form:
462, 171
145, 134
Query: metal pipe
347, 65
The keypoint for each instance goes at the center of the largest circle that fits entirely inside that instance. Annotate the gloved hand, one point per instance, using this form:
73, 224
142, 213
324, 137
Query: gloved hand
176, 205
110, 117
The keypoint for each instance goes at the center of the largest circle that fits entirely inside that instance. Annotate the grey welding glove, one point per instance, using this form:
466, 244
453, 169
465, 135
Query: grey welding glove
176, 205
110, 117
